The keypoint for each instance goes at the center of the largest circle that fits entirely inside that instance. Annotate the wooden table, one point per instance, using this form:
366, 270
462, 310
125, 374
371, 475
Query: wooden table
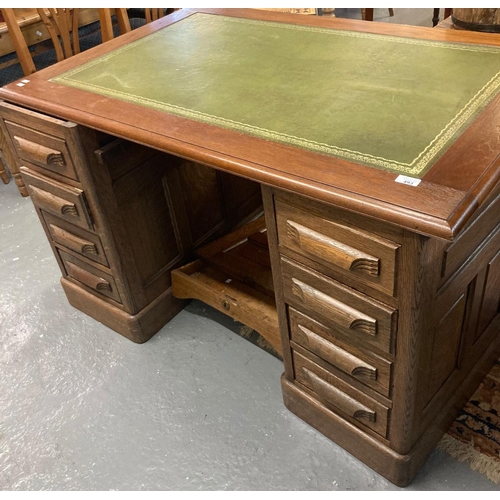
385, 294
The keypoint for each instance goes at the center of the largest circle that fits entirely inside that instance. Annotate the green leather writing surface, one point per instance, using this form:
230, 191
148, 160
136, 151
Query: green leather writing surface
389, 102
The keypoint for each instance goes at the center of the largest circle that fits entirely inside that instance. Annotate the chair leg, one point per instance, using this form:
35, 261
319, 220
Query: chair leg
11, 162
367, 14
435, 17
391, 12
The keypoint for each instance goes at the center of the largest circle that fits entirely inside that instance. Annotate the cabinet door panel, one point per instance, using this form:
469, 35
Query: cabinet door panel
445, 350
241, 197
202, 199
491, 295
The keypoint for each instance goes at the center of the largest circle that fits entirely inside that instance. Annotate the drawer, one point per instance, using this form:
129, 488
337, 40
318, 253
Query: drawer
340, 397
373, 371
358, 255
354, 316
99, 282
51, 196
79, 240
41, 149
41, 140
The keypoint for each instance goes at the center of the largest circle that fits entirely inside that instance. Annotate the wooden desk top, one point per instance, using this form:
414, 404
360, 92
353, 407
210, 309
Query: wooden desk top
456, 183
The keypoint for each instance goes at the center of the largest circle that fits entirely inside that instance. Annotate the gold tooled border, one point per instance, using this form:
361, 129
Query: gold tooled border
416, 167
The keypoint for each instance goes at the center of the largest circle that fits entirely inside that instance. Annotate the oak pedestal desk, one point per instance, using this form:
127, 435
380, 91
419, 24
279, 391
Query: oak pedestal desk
373, 151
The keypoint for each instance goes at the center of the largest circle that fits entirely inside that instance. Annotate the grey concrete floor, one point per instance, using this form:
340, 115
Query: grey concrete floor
195, 408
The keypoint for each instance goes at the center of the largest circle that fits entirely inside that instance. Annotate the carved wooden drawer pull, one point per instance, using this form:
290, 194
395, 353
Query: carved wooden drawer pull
331, 250
53, 202
72, 241
337, 311
340, 399
40, 153
337, 356
89, 279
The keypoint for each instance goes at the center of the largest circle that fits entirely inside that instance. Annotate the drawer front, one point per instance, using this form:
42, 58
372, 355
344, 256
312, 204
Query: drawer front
44, 150
99, 282
358, 318
373, 371
79, 240
351, 252
51, 196
348, 402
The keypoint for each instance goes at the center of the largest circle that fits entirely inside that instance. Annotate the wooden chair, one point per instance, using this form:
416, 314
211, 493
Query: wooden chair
62, 26
23, 53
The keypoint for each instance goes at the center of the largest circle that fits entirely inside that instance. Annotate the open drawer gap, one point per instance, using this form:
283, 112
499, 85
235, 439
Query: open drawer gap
233, 275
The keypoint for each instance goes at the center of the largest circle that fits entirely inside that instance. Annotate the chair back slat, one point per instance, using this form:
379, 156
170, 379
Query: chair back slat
123, 21
62, 26
153, 14
107, 26
74, 29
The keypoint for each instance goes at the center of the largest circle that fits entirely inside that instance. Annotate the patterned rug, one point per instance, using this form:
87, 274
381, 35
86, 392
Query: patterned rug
474, 437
